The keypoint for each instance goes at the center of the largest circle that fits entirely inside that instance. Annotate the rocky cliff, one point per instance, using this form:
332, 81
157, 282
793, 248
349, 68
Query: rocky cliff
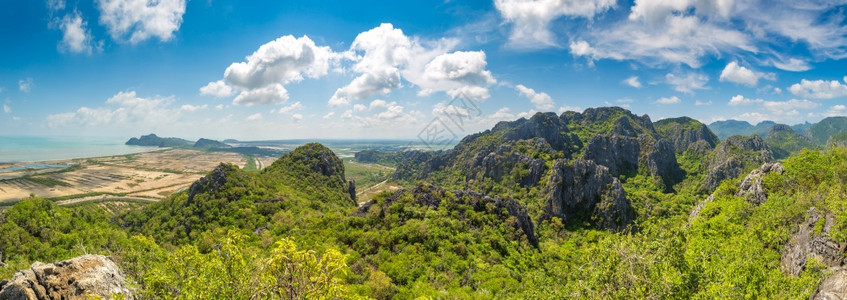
586, 189
733, 156
78, 278
686, 133
751, 187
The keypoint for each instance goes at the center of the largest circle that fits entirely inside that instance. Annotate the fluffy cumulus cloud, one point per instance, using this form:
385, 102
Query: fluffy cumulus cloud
668, 100
76, 38
139, 20
780, 111
6, 108
542, 101
660, 32
384, 57
269, 94
740, 74
261, 78
633, 82
530, 19
819, 89
254, 117
687, 83
193, 108
217, 89
290, 108
386, 49
123, 110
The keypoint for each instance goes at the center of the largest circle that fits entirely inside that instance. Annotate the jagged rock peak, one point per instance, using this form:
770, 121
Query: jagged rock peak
316, 157
602, 114
211, 183
732, 156
812, 240
685, 133
585, 188
431, 196
82, 277
751, 187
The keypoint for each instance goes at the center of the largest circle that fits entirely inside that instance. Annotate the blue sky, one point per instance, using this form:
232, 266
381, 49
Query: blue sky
387, 69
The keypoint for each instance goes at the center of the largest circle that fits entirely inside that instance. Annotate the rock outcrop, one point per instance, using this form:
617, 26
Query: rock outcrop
432, 196
734, 155
833, 287
506, 159
685, 133
586, 189
211, 183
812, 240
751, 187
78, 278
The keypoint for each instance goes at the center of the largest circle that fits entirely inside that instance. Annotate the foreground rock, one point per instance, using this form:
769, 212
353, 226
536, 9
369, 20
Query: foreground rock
751, 187
585, 188
77, 278
834, 287
812, 240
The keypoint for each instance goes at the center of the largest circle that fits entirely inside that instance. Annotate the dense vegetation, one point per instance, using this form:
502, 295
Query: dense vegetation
459, 229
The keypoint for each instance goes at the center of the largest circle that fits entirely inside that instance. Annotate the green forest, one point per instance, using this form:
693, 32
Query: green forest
602, 204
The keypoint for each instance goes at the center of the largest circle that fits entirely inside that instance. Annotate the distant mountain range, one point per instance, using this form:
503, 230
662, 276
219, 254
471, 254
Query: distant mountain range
152, 140
817, 133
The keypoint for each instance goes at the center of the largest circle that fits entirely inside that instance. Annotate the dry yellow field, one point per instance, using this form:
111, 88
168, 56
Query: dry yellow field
148, 175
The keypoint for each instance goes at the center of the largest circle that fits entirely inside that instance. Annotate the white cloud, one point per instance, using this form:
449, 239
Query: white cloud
329, 115
254, 117
124, 111
777, 106
633, 82
290, 108
687, 83
284, 60
702, 103
297, 117
360, 107
740, 74
193, 108
217, 89
389, 57
220, 107
456, 70
779, 111
141, 19
76, 37
6, 108
660, 32
531, 19
542, 101
385, 50
668, 100
270, 94
741, 100
26, 85
569, 108
377, 103
836, 110
819, 89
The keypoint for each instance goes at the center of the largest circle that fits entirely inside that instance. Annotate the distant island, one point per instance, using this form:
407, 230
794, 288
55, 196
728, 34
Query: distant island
153, 140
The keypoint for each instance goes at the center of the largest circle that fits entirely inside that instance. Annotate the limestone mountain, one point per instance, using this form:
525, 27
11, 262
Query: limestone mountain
733, 157
156, 141
686, 133
309, 178
783, 141
830, 126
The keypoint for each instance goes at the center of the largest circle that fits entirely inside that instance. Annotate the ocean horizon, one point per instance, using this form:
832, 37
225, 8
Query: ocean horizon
32, 148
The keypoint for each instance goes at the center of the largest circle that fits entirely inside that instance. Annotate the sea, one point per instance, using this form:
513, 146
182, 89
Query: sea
31, 149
